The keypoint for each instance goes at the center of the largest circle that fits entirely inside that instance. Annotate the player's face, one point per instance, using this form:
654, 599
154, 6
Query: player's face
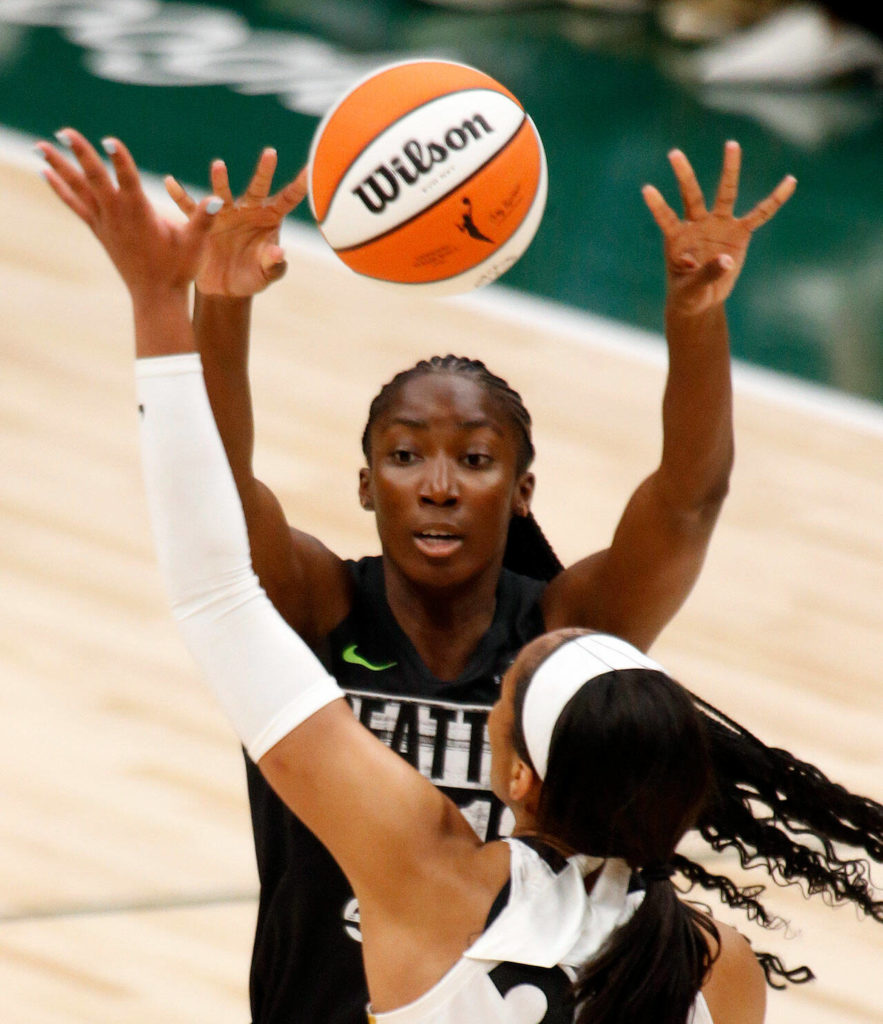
443, 480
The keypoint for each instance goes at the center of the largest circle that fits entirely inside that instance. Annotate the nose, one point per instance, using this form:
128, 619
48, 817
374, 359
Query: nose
438, 485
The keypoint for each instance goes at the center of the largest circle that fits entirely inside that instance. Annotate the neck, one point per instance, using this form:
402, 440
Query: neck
527, 826
535, 833
444, 624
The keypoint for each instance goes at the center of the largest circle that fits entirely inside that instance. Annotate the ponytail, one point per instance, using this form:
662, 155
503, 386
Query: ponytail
652, 966
634, 740
784, 815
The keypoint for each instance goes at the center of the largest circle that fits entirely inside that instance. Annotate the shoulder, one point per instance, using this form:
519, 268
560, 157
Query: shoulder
735, 990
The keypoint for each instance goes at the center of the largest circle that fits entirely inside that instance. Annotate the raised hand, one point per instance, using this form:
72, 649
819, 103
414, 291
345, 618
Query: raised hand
705, 252
154, 256
243, 255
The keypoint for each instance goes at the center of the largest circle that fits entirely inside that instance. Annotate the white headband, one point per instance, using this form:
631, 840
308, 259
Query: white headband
567, 669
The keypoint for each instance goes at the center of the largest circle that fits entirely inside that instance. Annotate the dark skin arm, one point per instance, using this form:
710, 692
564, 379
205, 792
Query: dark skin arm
633, 587
241, 259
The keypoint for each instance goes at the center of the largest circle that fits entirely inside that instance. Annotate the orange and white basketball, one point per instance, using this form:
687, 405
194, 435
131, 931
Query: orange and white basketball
428, 174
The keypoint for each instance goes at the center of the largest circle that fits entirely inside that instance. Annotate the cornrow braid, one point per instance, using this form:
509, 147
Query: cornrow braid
527, 550
475, 370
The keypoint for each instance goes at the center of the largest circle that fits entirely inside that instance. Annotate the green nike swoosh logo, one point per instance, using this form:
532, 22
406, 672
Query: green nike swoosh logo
349, 654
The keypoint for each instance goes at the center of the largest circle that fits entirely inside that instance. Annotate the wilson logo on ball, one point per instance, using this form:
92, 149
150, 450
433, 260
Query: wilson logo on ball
381, 187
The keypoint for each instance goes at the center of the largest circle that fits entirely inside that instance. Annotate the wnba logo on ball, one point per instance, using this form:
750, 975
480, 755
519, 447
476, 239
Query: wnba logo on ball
382, 186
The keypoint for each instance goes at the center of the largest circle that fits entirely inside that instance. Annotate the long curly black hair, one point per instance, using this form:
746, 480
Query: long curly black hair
786, 816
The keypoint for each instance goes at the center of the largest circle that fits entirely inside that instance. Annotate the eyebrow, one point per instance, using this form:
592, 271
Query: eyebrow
404, 421
419, 424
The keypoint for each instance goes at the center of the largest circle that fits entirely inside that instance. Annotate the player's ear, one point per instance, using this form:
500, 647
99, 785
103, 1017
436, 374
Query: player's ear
366, 498
523, 495
524, 785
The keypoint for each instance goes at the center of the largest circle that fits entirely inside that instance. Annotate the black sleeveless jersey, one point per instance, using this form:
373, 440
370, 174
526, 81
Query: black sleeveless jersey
307, 964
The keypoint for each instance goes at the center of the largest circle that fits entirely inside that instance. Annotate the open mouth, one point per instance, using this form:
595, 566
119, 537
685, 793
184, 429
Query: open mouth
437, 542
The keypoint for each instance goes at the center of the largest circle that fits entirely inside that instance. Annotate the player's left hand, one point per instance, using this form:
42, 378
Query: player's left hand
705, 251
242, 256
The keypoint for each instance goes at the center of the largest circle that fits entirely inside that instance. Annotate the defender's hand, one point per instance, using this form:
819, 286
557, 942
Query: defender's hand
243, 256
705, 252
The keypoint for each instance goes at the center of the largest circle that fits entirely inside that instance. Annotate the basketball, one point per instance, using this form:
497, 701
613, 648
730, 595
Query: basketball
429, 175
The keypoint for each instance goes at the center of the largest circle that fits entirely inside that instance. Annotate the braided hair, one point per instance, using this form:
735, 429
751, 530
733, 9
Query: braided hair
527, 550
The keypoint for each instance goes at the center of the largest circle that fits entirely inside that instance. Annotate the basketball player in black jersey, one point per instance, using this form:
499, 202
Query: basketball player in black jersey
420, 635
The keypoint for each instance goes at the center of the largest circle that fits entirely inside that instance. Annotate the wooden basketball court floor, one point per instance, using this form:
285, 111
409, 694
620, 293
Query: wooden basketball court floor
127, 886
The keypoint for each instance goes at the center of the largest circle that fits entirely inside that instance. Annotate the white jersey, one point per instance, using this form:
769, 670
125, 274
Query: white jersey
519, 971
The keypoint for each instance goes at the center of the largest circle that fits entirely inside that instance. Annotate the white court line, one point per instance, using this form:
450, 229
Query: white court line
588, 330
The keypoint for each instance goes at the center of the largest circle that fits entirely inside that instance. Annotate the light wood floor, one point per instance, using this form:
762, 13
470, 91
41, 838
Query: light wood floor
127, 887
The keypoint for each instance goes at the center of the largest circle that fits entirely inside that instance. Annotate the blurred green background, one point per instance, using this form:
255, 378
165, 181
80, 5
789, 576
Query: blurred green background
183, 83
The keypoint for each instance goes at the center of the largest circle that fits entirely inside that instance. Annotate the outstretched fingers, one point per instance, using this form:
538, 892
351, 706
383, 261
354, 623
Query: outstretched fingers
292, 195
93, 167
179, 195
220, 183
767, 208
262, 179
663, 214
85, 189
195, 231
691, 193
68, 183
155, 257
220, 180
128, 179
728, 189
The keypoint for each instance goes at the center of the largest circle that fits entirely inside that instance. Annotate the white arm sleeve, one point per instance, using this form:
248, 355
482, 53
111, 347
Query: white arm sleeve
266, 678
